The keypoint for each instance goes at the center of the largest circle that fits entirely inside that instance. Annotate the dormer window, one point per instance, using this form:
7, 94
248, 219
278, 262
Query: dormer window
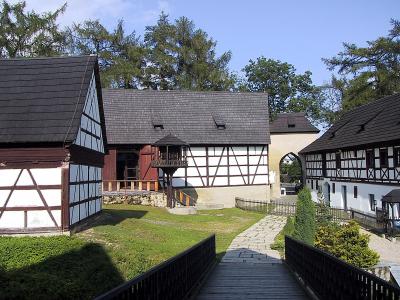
219, 122
157, 122
291, 122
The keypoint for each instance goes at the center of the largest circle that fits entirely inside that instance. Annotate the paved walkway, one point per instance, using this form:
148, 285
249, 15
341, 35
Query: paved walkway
251, 270
389, 252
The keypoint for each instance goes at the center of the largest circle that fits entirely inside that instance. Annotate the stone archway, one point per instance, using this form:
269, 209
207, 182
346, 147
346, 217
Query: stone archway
291, 174
281, 145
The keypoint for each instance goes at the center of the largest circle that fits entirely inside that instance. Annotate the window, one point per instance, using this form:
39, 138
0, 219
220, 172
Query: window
383, 158
372, 202
312, 184
355, 192
333, 188
338, 160
396, 154
370, 159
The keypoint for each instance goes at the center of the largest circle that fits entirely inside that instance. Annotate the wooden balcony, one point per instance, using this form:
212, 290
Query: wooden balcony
169, 163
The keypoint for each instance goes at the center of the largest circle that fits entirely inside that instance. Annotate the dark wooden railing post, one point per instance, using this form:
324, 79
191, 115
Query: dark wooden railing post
331, 278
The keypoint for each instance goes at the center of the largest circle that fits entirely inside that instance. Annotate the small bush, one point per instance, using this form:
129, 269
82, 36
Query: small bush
304, 220
279, 241
347, 243
324, 216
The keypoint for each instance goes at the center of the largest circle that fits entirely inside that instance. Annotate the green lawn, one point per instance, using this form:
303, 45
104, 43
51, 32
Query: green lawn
123, 241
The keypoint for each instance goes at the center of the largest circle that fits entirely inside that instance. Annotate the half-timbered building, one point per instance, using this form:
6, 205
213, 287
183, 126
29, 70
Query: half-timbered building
357, 161
52, 143
227, 136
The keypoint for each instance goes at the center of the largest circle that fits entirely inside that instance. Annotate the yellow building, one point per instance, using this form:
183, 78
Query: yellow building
290, 132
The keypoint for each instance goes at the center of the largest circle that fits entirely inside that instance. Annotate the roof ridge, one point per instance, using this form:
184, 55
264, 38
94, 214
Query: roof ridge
47, 57
186, 91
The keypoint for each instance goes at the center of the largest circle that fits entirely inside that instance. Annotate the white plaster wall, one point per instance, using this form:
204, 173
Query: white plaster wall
218, 170
361, 202
30, 198
79, 191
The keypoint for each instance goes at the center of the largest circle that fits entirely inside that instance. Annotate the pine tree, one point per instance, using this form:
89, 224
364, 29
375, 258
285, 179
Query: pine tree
28, 34
304, 220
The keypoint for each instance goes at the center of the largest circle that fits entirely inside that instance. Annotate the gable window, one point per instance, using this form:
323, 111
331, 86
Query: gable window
372, 202
383, 158
370, 159
396, 154
333, 188
338, 160
355, 191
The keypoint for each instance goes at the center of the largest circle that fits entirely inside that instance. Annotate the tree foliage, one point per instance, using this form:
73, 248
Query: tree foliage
184, 57
304, 220
121, 55
368, 73
347, 243
26, 33
287, 91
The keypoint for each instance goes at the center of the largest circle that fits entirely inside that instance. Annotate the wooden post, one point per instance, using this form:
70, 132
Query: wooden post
109, 186
181, 197
132, 185
118, 186
148, 185
156, 186
140, 185
187, 200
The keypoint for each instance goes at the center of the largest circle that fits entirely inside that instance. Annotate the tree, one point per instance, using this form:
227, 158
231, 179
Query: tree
304, 219
287, 91
27, 34
121, 56
347, 243
371, 72
183, 57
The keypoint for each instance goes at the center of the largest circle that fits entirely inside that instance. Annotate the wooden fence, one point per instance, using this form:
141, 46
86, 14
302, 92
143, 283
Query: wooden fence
331, 278
283, 208
130, 185
173, 279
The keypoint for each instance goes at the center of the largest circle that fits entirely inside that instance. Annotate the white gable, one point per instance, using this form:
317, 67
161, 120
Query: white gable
90, 134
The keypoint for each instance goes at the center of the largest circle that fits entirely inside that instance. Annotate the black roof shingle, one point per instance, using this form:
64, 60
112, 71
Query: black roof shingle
42, 99
372, 123
292, 123
131, 116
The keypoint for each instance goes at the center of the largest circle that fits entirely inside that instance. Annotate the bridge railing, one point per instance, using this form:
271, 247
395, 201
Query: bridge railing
173, 279
331, 278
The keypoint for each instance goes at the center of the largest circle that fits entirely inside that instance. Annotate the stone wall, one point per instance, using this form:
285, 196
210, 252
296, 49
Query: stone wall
136, 197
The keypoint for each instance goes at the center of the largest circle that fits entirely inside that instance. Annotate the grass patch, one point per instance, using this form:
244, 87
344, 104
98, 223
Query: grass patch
279, 241
123, 241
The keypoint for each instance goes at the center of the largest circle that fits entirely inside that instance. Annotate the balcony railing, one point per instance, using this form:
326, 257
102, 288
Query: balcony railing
160, 163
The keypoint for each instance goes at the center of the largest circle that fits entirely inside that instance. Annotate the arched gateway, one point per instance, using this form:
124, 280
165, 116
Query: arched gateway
290, 132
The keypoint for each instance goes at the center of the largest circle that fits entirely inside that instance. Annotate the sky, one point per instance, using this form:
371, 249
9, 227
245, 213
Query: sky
300, 32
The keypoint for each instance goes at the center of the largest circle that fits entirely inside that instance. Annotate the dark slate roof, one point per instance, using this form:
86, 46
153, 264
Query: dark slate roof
170, 140
132, 115
392, 196
292, 123
372, 123
42, 99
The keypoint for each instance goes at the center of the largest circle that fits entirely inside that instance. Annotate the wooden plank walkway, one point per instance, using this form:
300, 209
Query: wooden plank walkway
250, 269
251, 281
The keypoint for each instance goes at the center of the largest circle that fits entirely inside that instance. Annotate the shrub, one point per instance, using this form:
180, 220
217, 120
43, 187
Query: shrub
323, 216
304, 220
279, 241
347, 243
